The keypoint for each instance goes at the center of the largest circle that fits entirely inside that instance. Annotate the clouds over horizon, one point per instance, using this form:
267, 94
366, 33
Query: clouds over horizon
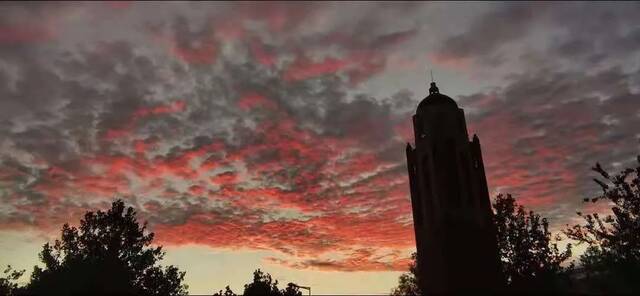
253, 125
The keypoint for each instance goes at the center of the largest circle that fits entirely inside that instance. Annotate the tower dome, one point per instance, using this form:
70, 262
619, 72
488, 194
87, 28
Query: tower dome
435, 98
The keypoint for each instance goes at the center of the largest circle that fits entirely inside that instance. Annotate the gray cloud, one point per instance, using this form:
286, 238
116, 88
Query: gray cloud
66, 100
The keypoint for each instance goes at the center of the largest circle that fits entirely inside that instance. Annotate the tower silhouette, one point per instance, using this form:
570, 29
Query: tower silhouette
455, 236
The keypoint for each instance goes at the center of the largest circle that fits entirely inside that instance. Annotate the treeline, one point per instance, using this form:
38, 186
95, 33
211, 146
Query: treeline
533, 262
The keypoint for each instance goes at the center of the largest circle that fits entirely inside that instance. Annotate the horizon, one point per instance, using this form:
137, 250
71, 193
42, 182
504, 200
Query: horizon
272, 135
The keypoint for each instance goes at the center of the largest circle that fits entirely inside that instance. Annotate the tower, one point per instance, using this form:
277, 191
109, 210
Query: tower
455, 235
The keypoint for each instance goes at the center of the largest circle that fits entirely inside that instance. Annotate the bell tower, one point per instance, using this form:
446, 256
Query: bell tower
455, 236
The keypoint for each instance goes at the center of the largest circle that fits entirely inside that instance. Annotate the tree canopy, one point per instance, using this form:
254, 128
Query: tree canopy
263, 285
110, 253
530, 257
8, 284
408, 281
611, 262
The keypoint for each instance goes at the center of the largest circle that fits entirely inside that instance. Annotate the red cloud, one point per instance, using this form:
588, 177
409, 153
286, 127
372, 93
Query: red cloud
344, 210
196, 190
142, 147
112, 134
203, 51
534, 175
253, 100
201, 54
345, 197
278, 17
303, 68
174, 107
358, 66
261, 54
127, 129
225, 178
25, 33
300, 192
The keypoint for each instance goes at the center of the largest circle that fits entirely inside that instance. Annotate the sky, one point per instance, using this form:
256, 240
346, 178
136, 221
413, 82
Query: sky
272, 135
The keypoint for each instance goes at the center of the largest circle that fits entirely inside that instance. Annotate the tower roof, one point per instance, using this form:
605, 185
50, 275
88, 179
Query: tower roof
435, 98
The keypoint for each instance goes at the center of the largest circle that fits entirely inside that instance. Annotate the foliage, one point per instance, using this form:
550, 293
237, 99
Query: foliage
530, 257
227, 292
408, 281
611, 262
291, 290
109, 254
8, 285
263, 285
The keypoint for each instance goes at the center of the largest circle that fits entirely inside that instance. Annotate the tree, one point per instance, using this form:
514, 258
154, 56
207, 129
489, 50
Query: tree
109, 254
611, 262
530, 258
8, 285
408, 281
227, 292
291, 290
263, 285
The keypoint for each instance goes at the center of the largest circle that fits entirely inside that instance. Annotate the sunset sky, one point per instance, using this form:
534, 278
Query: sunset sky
272, 135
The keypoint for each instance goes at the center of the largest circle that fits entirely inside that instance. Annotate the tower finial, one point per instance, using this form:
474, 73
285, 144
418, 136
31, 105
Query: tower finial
433, 89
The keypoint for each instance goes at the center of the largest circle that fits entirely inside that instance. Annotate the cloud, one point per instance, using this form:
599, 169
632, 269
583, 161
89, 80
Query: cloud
547, 150
237, 125
490, 32
210, 146
360, 259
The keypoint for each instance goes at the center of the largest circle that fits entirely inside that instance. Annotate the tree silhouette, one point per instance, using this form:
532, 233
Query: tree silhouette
530, 258
611, 262
109, 254
408, 281
291, 290
263, 285
227, 292
8, 285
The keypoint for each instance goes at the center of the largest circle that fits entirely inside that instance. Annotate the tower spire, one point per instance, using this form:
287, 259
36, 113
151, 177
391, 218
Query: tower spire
433, 89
